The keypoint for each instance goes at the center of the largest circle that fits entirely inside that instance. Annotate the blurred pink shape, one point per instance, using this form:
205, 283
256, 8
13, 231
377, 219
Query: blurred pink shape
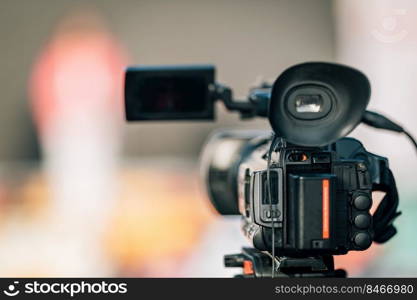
79, 71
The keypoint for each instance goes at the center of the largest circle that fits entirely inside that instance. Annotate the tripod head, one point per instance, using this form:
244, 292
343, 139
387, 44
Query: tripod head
257, 264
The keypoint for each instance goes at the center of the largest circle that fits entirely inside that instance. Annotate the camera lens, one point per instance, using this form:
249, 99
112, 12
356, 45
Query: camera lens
309, 102
314, 104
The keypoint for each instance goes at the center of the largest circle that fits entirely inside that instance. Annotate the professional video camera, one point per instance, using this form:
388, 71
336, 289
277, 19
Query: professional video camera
304, 191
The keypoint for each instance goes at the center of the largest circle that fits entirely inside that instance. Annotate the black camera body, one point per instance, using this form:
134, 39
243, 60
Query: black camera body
321, 196
305, 191
320, 202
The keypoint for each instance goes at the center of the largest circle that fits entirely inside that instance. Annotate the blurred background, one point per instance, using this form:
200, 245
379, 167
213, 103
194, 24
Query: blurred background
82, 193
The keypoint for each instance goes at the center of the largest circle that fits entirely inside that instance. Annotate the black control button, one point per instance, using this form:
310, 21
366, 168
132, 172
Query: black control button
362, 240
362, 221
362, 202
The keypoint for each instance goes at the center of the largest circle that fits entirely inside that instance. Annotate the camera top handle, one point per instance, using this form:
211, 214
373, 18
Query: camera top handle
255, 106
